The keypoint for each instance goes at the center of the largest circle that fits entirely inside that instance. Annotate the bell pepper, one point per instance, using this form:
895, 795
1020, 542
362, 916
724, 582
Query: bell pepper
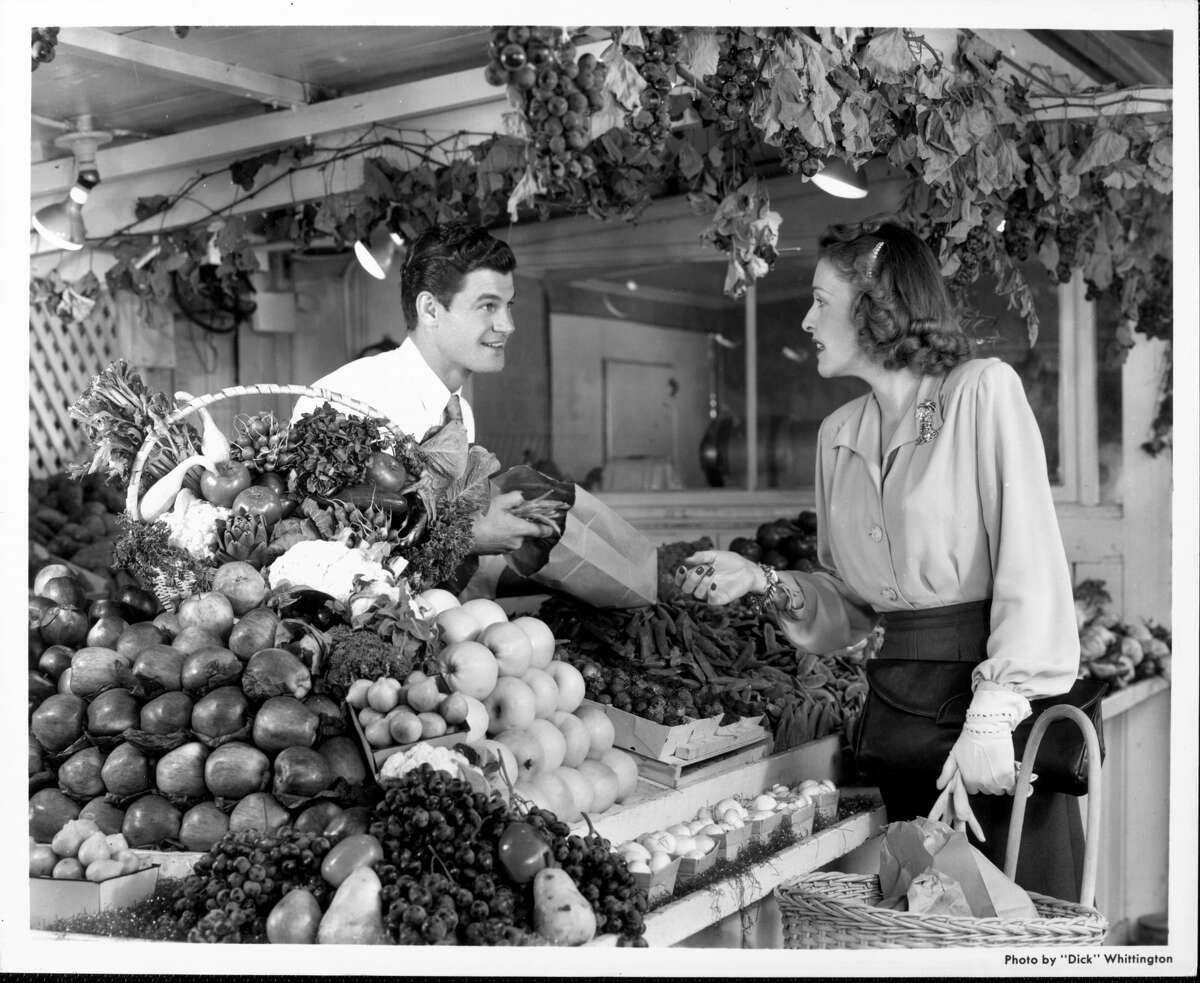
522, 852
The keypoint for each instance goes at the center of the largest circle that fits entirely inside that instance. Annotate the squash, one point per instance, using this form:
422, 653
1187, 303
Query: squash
561, 915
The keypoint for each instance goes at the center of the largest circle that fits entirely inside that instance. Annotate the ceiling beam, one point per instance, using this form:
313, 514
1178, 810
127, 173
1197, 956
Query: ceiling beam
1110, 53
205, 72
1142, 101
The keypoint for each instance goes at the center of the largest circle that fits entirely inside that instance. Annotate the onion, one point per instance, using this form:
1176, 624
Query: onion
167, 713
329, 713
79, 776
57, 723
209, 667
55, 660
235, 770
126, 771
106, 631
260, 811
149, 821
284, 722
49, 811
181, 772
104, 814
317, 816
112, 713
66, 592
158, 669
167, 622
64, 626
95, 669
35, 756
202, 826
49, 573
345, 759
41, 687
137, 637
275, 672
38, 606
222, 712
301, 771
144, 604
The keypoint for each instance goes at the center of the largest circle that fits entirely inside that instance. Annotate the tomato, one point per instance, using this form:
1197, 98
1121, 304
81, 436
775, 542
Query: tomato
261, 501
222, 486
522, 852
347, 855
386, 472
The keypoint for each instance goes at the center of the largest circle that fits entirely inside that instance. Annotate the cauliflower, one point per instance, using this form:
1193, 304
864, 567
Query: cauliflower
439, 758
331, 567
193, 524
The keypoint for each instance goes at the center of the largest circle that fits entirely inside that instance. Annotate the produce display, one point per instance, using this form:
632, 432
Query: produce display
1114, 650
81, 850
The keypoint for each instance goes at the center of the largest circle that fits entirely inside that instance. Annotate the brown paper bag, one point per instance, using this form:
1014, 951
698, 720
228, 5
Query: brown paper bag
600, 558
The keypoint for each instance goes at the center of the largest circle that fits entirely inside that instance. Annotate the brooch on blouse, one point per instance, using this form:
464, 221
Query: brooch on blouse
926, 431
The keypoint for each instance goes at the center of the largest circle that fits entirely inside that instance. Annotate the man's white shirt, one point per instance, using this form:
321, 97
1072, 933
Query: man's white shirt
399, 384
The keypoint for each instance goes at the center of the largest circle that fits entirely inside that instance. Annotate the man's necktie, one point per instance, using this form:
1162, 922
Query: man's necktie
453, 410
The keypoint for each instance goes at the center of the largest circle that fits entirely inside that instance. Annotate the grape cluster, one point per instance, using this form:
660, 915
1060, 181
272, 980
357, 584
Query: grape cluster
1155, 317
232, 888
43, 41
600, 875
737, 78
651, 123
799, 156
441, 882
1067, 235
973, 253
1020, 226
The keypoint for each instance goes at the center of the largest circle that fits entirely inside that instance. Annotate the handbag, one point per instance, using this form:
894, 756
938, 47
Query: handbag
915, 710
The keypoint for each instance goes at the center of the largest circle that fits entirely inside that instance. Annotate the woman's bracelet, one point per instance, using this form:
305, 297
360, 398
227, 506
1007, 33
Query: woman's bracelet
793, 601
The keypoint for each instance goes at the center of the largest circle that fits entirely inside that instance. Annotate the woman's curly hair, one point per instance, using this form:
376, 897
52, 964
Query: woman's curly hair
903, 314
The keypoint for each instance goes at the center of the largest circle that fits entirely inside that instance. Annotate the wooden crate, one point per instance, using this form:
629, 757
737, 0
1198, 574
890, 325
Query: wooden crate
678, 773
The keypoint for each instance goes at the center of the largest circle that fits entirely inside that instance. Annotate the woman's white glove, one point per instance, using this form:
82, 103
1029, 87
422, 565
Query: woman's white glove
982, 757
719, 577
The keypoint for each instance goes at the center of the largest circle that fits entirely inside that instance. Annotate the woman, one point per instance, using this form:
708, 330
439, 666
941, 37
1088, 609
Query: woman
935, 514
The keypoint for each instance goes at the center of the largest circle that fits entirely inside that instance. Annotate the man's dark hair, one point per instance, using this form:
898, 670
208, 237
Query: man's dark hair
442, 256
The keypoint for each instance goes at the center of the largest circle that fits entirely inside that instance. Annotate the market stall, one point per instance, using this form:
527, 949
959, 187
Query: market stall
268, 699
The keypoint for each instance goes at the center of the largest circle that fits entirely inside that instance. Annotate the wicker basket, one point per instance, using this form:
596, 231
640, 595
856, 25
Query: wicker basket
839, 911
170, 592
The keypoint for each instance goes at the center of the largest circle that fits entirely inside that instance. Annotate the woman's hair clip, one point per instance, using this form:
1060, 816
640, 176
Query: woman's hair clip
873, 260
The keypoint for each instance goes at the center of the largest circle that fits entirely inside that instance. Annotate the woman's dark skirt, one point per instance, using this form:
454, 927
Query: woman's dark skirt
1051, 856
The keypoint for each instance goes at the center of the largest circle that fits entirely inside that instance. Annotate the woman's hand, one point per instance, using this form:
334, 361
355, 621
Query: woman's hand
719, 577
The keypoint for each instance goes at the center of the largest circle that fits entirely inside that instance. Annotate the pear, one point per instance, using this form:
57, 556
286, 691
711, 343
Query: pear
294, 918
561, 915
355, 915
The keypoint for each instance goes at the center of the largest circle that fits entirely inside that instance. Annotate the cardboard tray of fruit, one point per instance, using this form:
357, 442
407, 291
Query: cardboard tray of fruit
51, 899
693, 740
375, 757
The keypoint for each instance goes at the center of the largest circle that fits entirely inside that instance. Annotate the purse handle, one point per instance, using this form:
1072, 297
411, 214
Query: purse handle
1087, 888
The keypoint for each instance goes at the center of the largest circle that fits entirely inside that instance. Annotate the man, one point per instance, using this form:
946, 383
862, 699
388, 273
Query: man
456, 293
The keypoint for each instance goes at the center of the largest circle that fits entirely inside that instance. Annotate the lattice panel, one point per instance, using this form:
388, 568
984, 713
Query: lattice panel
63, 357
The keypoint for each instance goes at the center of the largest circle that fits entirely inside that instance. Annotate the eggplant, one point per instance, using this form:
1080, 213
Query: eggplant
415, 524
364, 495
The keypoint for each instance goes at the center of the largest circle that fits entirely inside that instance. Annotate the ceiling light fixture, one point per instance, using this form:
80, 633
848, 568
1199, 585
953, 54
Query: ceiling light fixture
61, 224
375, 253
839, 179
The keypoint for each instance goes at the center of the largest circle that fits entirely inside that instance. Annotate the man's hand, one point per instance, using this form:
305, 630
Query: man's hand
499, 531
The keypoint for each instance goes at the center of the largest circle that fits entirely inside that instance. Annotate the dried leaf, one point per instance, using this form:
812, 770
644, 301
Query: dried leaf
622, 78
526, 189
1107, 147
608, 117
698, 51
690, 162
888, 56
1098, 264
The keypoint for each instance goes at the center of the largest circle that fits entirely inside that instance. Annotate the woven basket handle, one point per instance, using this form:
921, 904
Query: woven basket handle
199, 402
1087, 888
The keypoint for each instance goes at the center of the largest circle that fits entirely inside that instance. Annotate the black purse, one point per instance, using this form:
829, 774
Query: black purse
916, 709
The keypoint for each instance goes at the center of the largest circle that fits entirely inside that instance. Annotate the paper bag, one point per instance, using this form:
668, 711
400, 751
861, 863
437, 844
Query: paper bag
912, 851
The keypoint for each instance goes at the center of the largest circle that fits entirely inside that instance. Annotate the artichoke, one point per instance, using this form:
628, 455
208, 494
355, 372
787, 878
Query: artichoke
243, 537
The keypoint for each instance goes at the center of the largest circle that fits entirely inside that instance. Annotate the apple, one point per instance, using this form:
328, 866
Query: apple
541, 638
575, 734
526, 749
469, 668
242, 584
378, 733
436, 600
42, 860
600, 729
383, 694
544, 690
625, 768
580, 788
423, 695
457, 625
604, 784
261, 501
454, 708
511, 647
538, 795
484, 611
366, 716
356, 695
554, 745
570, 685
477, 719
404, 726
559, 793
510, 705
208, 610
432, 725
222, 485
493, 750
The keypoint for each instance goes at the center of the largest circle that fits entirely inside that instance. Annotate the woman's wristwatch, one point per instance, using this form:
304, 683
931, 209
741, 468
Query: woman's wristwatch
780, 596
